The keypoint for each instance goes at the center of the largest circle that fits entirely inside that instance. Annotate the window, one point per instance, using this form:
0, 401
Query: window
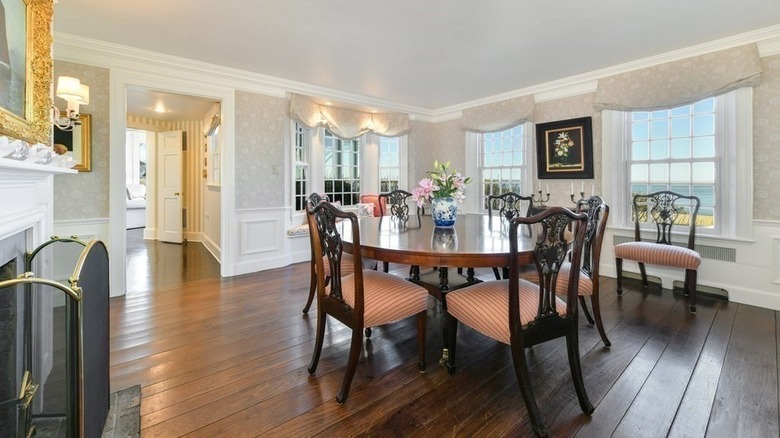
301, 171
342, 169
389, 164
502, 163
677, 149
703, 149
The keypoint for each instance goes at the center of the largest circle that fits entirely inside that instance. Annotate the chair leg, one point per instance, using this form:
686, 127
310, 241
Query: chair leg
572, 346
644, 275
594, 301
450, 341
385, 266
320, 337
496, 273
421, 318
690, 279
312, 289
619, 272
521, 371
354, 356
368, 332
584, 306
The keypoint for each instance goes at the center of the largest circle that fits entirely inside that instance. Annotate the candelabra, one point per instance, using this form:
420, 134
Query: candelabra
582, 198
540, 200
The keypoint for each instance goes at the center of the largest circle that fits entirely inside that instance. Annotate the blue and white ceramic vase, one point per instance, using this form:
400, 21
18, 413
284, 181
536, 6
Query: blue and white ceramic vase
444, 211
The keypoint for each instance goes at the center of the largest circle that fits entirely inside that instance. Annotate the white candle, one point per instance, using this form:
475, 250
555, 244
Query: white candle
540, 187
582, 186
592, 189
548, 188
572, 188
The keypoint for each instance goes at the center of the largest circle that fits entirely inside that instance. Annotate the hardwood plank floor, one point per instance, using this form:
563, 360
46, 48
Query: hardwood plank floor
228, 357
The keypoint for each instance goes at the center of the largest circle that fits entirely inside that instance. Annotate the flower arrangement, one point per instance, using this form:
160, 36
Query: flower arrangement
442, 183
562, 145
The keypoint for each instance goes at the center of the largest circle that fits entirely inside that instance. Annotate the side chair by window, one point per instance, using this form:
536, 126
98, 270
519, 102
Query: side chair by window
365, 298
508, 206
663, 209
522, 314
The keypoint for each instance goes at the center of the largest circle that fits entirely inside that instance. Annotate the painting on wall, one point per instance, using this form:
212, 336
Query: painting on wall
78, 142
25, 92
565, 149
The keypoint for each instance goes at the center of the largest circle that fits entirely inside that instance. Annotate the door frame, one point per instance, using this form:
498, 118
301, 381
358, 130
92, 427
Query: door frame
121, 79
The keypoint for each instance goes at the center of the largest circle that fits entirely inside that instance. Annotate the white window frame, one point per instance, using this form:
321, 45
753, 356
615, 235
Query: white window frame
369, 163
475, 204
734, 185
403, 160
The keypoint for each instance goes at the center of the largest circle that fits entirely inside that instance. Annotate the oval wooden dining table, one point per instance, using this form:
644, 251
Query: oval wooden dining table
476, 240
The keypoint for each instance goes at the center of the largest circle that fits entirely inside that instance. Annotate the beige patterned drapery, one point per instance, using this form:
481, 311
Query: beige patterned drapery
498, 116
680, 82
346, 123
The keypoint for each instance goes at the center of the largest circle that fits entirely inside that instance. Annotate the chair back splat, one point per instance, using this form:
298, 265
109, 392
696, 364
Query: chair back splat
397, 202
666, 209
510, 205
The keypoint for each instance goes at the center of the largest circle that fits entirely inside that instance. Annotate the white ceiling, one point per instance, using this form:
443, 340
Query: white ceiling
431, 54
177, 107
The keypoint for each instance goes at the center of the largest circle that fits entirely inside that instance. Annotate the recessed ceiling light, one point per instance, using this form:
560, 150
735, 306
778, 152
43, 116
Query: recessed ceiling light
160, 108
328, 103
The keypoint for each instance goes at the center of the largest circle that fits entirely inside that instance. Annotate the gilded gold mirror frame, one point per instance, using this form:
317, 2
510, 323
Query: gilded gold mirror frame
35, 126
78, 142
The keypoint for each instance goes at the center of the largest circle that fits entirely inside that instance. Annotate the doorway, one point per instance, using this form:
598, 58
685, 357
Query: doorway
165, 159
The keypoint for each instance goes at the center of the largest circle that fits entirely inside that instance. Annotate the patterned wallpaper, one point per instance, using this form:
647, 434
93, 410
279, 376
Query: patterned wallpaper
262, 128
421, 143
451, 146
766, 142
85, 195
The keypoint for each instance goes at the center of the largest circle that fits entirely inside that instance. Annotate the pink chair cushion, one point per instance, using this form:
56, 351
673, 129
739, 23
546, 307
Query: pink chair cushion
387, 298
485, 307
658, 254
372, 199
585, 283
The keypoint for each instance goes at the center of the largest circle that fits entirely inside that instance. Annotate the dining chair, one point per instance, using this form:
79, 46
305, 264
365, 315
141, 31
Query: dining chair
663, 209
311, 202
365, 298
508, 206
598, 213
522, 314
396, 203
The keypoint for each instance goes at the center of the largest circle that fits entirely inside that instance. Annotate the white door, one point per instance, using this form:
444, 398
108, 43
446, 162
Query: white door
169, 188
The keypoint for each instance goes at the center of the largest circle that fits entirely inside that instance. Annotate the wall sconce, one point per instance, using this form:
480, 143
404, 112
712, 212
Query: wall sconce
75, 93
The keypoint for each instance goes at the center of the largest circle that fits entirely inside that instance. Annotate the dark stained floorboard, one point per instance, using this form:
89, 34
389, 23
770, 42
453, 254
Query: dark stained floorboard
228, 357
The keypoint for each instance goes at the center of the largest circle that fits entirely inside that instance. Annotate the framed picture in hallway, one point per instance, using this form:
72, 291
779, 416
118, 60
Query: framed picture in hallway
565, 149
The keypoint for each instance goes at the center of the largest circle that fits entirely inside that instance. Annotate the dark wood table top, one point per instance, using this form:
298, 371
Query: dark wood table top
475, 241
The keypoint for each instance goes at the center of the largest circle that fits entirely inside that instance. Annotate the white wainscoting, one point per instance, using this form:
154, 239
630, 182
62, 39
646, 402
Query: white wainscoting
754, 278
263, 242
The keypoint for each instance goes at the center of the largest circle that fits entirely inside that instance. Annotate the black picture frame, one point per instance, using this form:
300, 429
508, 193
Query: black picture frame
565, 149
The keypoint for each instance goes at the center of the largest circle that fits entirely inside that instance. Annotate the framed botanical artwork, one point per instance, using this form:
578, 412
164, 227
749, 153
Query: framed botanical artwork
26, 70
565, 149
78, 142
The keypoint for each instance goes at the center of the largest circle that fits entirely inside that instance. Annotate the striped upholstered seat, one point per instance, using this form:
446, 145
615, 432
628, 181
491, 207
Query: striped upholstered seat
391, 297
655, 254
484, 307
665, 210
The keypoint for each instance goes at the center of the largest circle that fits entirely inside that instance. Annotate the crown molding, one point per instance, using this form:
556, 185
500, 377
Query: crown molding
78, 49
73, 48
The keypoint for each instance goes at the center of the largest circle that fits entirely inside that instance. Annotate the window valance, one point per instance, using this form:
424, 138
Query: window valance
498, 116
346, 123
212, 119
680, 82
